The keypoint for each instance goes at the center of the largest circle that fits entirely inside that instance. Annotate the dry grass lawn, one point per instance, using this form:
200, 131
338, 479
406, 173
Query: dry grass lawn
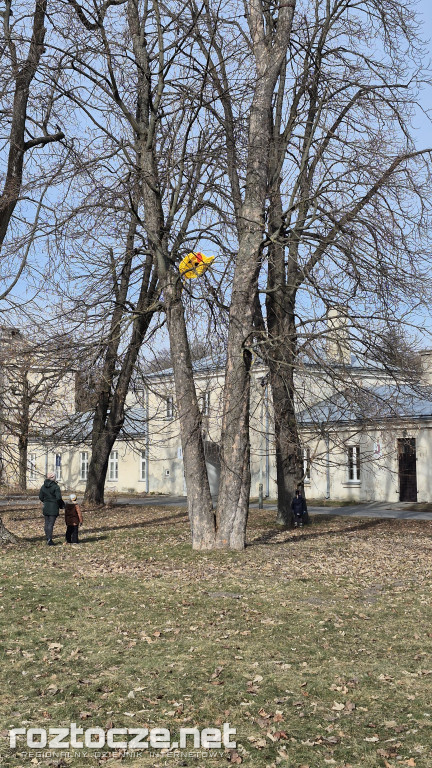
314, 644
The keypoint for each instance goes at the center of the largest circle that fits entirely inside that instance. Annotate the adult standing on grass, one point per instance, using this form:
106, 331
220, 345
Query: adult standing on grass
50, 494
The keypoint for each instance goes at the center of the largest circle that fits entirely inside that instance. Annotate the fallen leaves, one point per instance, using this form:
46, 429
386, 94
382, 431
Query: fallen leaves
157, 593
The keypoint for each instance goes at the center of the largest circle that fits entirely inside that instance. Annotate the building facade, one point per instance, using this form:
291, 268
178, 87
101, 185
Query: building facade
365, 439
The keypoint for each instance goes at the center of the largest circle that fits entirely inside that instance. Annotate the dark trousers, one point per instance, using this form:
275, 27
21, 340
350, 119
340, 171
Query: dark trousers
49, 525
72, 534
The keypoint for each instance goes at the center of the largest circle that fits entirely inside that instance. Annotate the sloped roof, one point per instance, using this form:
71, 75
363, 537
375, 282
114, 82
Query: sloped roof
386, 401
77, 428
217, 361
207, 364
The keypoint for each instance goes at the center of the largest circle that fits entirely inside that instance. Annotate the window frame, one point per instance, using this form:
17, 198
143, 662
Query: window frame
143, 466
83, 464
205, 403
353, 463
169, 412
113, 466
58, 469
31, 463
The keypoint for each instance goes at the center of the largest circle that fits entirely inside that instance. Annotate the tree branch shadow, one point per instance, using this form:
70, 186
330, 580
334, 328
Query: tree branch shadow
160, 521
268, 538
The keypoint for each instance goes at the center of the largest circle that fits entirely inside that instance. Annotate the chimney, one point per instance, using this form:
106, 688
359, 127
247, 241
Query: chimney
426, 359
337, 339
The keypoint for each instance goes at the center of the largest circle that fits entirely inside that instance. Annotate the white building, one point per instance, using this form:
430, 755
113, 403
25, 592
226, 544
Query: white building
364, 437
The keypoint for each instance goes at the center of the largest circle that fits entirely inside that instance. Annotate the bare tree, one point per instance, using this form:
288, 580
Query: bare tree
264, 41
145, 86
353, 211
27, 106
346, 200
34, 394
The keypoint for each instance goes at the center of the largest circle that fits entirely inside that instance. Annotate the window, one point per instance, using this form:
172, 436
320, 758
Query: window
205, 404
113, 466
58, 467
83, 465
143, 465
354, 462
306, 465
32, 466
169, 407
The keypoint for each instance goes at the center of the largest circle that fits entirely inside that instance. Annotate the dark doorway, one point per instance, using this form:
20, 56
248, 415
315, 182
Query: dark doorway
407, 469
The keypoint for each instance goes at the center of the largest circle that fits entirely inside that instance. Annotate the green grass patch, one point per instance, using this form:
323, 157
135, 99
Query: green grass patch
313, 644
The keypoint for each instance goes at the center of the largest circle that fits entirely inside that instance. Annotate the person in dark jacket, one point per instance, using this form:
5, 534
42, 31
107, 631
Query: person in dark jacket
50, 494
299, 509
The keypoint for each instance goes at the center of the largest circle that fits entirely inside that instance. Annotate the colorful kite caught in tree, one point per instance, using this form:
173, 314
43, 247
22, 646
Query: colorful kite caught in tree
194, 265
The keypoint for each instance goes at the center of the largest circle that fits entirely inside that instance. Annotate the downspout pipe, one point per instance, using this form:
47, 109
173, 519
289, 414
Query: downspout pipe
147, 482
327, 442
267, 445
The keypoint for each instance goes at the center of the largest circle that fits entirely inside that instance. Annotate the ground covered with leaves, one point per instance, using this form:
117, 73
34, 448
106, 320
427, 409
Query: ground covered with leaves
314, 644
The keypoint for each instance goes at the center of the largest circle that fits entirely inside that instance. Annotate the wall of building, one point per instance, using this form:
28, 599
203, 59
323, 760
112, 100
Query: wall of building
379, 477
379, 470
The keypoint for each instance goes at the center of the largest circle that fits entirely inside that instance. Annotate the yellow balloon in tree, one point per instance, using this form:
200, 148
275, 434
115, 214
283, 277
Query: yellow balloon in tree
194, 265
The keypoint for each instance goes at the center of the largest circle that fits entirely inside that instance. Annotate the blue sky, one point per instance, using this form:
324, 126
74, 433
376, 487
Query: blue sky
424, 132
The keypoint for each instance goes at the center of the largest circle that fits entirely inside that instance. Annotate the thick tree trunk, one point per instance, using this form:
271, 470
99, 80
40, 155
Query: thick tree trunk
200, 505
98, 467
281, 356
234, 488
289, 462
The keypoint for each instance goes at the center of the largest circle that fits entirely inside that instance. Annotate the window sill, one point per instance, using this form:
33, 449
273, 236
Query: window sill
351, 483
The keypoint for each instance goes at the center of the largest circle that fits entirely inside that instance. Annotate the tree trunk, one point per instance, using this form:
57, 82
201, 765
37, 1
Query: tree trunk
200, 505
281, 354
98, 467
289, 462
234, 488
17, 144
22, 462
233, 502
109, 413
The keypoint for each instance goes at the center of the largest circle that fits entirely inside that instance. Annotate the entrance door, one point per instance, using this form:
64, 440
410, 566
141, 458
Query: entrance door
407, 469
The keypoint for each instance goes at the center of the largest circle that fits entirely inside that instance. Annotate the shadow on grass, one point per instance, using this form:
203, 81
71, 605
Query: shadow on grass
267, 538
180, 517
11, 511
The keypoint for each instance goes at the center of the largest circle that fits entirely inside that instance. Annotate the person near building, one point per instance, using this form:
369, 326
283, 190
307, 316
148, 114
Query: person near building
50, 495
73, 519
299, 509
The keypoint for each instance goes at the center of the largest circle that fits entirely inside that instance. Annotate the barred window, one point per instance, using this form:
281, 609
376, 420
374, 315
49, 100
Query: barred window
354, 462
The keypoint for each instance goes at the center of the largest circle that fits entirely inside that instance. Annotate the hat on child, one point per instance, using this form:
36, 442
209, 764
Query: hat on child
73, 497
